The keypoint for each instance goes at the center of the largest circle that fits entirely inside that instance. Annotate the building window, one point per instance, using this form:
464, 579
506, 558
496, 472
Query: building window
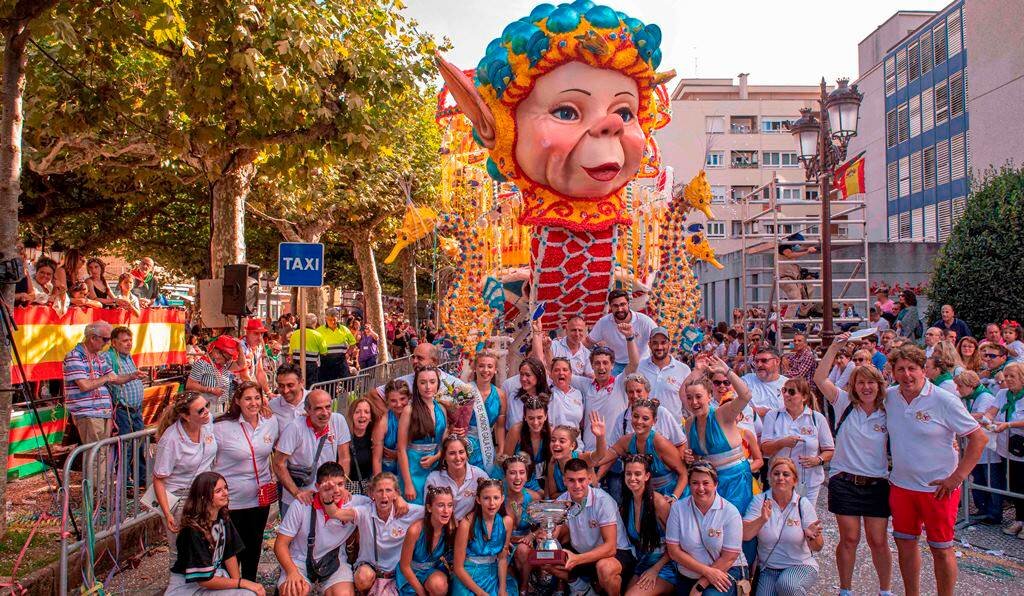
926, 52
945, 211
811, 194
894, 228
942, 161
890, 129
714, 159
716, 229
743, 159
740, 192
737, 227
927, 109
743, 125
914, 62
941, 102
789, 193
785, 159
928, 157
929, 223
959, 205
892, 181
939, 43
915, 116
953, 26
901, 69
905, 226
917, 224
904, 176
956, 94
718, 193
915, 171
775, 125
958, 157
904, 123
714, 124
890, 75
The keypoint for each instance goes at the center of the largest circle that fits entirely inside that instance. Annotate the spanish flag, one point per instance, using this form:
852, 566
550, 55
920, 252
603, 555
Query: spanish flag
849, 177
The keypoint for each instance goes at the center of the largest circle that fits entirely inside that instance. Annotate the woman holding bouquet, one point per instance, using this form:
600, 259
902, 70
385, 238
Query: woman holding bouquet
421, 428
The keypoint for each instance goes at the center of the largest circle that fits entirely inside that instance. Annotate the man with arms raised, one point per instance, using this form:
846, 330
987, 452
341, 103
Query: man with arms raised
665, 373
606, 330
382, 525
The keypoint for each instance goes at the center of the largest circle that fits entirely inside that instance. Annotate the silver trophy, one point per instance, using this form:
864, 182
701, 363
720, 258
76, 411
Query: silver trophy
549, 515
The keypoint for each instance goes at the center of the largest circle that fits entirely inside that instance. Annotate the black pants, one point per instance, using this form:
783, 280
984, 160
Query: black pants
250, 524
1017, 486
333, 367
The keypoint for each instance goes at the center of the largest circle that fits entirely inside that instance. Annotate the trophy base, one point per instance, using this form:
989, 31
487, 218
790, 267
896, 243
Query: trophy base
547, 557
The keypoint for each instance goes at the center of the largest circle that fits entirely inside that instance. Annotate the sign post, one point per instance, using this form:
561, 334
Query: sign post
301, 265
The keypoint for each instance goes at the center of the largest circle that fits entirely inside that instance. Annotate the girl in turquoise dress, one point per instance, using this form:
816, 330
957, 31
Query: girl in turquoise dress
485, 367
427, 550
480, 546
532, 437
645, 512
564, 448
668, 474
385, 435
517, 502
421, 428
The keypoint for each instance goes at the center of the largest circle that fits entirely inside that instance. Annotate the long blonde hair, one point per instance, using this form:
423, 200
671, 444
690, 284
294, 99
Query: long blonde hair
178, 408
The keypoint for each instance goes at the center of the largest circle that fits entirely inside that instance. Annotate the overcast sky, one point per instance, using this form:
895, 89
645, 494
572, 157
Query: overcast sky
776, 41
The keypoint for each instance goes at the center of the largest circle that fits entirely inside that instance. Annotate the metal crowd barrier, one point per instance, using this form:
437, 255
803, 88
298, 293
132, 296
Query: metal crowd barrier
104, 508
998, 483
344, 391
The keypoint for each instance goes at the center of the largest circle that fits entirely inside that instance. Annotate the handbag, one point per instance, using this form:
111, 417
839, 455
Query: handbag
320, 569
742, 584
266, 493
384, 584
356, 487
303, 475
1015, 445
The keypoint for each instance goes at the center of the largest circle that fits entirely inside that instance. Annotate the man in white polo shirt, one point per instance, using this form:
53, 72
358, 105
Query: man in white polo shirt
597, 535
308, 442
924, 422
765, 382
382, 524
290, 404
665, 373
604, 393
291, 546
606, 330
571, 347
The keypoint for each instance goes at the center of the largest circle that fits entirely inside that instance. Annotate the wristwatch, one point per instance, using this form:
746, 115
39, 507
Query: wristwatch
631, 338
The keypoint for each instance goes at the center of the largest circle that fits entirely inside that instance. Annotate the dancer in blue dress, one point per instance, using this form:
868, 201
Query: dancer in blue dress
564, 448
485, 367
517, 502
421, 428
385, 435
427, 550
480, 546
668, 473
532, 437
713, 433
644, 512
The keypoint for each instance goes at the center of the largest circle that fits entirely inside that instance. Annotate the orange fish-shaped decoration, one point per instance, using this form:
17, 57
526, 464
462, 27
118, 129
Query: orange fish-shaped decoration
697, 194
698, 247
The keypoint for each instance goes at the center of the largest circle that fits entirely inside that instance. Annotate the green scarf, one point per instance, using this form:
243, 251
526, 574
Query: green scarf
946, 376
1011, 403
973, 397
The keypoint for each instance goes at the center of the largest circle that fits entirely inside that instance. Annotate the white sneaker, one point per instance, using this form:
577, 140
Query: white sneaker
1014, 528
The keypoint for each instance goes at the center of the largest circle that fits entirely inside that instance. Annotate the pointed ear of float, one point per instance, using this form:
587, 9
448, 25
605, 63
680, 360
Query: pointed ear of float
469, 100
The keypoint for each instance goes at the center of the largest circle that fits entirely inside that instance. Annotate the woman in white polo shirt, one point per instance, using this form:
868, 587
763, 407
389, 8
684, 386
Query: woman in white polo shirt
801, 434
858, 486
788, 534
991, 469
186, 447
1010, 441
704, 536
566, 405
245, 440
455, 473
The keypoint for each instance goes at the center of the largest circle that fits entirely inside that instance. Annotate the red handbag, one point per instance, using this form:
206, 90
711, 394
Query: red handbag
266, 494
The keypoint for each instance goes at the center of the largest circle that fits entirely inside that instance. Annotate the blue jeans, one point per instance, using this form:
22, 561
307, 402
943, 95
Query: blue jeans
993, 475
686, 584
129, 422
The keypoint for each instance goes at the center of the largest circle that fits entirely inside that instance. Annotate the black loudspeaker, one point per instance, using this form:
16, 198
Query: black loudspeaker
241, 292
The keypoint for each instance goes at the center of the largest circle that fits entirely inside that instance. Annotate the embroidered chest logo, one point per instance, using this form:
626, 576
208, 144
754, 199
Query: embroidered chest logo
714, 533
593, 523
923, 416
208, 440
469, 492
792, 522
807, 430
397, 532
881, 428
267, 439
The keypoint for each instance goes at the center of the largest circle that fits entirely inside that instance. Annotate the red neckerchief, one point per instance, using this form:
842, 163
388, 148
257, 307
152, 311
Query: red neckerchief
319, 505
317, 434
611, 381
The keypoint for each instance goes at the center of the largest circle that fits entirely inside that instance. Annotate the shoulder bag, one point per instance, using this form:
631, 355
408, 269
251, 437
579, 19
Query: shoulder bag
320, 569
266, 493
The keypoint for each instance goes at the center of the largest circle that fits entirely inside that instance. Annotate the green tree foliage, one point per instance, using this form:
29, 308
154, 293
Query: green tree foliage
979, 269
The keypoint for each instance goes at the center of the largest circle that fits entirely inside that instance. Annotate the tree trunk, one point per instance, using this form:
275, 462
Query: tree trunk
409, 293
11, 124
227, 213
315, 302
371, 290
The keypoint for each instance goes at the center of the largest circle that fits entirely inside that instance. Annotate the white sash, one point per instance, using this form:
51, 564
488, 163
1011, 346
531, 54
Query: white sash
483, 429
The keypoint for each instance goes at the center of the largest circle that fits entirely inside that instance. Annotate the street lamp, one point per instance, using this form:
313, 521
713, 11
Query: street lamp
822, 136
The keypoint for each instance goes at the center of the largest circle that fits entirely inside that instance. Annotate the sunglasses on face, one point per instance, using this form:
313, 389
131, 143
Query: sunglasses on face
858, 360
763, 360
105, 338
790, 391
719, 383
990, 356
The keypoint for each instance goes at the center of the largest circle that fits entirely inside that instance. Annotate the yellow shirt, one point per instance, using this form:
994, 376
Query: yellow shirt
315, 345
337, 340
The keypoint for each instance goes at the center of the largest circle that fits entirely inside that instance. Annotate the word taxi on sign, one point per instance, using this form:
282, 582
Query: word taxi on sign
300, 264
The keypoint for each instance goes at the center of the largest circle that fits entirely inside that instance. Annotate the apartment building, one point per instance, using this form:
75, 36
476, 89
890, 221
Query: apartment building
739, 134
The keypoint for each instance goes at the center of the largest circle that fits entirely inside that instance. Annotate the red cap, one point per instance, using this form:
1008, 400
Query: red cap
255, 325
226, 344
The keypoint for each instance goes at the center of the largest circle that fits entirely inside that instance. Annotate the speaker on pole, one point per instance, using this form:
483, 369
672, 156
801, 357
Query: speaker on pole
241, 292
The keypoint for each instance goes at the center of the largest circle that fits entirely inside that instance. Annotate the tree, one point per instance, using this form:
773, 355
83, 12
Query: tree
217, 90
978, 270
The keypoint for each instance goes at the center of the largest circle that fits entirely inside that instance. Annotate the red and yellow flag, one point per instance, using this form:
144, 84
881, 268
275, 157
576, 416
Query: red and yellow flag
44, 337
849, 177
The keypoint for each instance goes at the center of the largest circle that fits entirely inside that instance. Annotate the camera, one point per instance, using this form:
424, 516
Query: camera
11, 271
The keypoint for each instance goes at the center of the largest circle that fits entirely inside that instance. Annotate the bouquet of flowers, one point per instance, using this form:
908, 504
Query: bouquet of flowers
462, 397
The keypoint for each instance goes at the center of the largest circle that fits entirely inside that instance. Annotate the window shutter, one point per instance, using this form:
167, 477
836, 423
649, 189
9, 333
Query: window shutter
927, 109
901, 69
927, 57
905, 225
953, 26
915, 171
904, 176
891, 129
914, 62
890, 75
892, 181
915, 116
958, 157
945, 219
939, 43
941, 102
904, 123
928, 167
894, 228
929, 223
917, 224
942, 161
956, 95
959, 205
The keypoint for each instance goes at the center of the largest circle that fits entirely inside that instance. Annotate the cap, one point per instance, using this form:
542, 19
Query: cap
660, 331
255, 325
226, 344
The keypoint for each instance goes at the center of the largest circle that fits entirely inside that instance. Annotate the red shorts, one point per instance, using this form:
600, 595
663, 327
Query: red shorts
912, 509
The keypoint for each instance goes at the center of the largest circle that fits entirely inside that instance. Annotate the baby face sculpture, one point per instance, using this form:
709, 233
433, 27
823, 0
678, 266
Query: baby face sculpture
564, 101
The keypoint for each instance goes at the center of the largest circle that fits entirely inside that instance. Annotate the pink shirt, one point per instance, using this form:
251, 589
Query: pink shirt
888, 306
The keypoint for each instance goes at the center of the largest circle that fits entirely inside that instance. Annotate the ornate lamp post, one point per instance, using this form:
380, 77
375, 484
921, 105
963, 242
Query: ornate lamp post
822, 136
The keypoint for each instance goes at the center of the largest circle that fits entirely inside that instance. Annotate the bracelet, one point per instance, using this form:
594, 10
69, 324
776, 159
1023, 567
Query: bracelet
630, 338
239, 583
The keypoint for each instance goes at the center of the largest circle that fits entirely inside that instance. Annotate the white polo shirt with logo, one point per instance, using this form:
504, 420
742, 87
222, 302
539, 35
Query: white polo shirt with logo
330, 532
922, 435
607, 399
665, 383
179, 460
810, 426
765, 394
285, 412
585, 521
565, 407
579, 360
607, 330
860, 442
240, 464
781, 542
380, 541
705, 536
465, 493
299, 444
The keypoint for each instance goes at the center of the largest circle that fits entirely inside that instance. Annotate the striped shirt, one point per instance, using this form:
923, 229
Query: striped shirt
207, 374
79, 365
129, 394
